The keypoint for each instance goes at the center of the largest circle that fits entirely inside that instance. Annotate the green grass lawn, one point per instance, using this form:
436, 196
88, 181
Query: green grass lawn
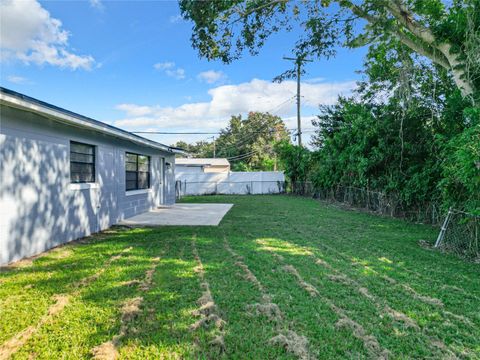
280, 278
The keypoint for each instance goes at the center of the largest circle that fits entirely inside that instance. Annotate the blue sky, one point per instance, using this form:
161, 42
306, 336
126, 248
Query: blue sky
131, 64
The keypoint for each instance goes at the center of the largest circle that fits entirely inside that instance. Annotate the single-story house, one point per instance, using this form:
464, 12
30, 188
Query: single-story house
64, 176
202, 165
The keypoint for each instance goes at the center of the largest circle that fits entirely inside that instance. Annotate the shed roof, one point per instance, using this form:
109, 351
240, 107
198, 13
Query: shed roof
202, 161
17, 100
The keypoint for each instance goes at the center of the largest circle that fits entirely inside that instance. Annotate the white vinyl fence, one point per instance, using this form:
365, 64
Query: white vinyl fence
239, 183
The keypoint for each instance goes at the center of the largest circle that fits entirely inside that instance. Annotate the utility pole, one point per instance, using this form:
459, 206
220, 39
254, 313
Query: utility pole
299, 62
214, 148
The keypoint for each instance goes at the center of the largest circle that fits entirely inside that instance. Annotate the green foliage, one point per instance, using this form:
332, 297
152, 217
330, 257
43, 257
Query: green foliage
420, 145
247, 143
412, 128
460, 184
295, 160
201, 149
447, 34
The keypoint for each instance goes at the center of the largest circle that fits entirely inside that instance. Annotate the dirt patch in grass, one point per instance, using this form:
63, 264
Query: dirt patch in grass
146, 284
426, 299
130, 310
208, 309
109, 349
381, 307
249, 276
11, 346
268, 309
89, 279
292, 342
106, 351
370, 342
308, 287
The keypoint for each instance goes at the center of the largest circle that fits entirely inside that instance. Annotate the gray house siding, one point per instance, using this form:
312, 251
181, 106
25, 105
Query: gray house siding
40, 209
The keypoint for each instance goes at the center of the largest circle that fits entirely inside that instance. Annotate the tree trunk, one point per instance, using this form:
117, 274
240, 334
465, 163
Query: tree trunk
463, 83
423, 43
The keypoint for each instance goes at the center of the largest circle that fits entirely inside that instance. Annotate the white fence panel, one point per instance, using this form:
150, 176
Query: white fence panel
234, 183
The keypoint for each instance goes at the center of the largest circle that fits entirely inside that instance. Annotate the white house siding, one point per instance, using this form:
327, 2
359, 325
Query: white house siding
40, 209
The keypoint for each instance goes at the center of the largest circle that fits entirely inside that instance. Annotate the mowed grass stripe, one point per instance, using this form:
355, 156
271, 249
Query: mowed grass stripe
292, 342
373, 264
245, 336
92, 313
308, 315
315, 235
357, 296
361, 310
12, 345
161, 328
26, 292
394, 241
384, 285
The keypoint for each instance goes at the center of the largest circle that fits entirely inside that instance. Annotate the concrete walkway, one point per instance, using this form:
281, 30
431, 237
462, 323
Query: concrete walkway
181, 214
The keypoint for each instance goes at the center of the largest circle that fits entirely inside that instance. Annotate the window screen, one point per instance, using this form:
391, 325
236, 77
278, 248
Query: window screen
137, 171
82, 162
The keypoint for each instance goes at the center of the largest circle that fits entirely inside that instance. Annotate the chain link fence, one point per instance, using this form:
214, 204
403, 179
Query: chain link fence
374, 201
460, 234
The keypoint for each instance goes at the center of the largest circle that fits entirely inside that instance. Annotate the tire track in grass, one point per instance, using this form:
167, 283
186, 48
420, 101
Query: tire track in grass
208, 309
426, 299
407, 288
338, 276
370, 342
11, 346
290, 340
383, 308
130, 310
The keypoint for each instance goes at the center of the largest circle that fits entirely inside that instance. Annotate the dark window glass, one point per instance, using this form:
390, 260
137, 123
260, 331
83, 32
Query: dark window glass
82, 162
137, 171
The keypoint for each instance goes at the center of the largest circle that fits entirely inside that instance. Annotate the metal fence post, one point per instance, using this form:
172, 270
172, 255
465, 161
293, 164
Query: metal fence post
443, 229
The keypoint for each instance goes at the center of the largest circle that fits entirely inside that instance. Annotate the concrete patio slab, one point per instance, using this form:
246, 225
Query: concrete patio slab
181, 214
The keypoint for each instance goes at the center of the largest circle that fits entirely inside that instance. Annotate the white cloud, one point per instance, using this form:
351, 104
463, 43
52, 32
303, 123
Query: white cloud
314, 80
227, 100
17, 79
170, 69
212, 76
164, 65
31, 35
97, 4
174, 19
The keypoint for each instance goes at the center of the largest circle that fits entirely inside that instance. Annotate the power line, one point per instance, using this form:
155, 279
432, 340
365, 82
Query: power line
202, 132
251, 135
243, 156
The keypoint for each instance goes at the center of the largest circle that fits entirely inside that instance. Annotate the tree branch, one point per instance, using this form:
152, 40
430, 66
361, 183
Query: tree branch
437, 58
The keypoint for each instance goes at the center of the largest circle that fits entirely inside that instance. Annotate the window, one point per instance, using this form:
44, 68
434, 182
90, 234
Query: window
137, 168
82, 162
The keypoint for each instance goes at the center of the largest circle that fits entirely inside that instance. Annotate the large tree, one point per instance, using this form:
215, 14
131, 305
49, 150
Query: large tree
249, 142
447, 34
